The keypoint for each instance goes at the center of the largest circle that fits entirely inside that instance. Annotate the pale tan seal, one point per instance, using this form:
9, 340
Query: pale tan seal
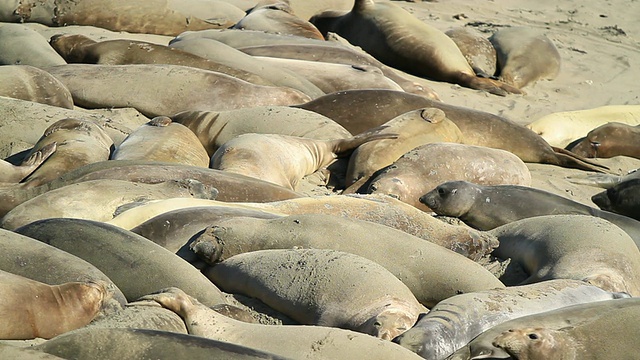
562, 128
32, 309
571, 247
399, 39
291, 341
24, 46
214, 128
284, 160
322, 287
165, 141
29, 83
414, 128
525, 55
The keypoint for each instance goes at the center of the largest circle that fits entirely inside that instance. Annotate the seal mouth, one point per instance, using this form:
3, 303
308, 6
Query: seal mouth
428, 199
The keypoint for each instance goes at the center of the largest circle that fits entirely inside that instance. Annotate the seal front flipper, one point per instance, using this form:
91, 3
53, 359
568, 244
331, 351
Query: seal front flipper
492, 86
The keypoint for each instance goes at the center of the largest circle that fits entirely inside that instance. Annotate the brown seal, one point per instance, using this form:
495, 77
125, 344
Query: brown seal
525, 56
77, 48
285, 160
157, 89
32, 309
363, 109
400, 40
609, 140
163, 17
165, 141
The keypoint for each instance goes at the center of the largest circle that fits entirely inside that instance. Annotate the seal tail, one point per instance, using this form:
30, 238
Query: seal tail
568, 159
490, 85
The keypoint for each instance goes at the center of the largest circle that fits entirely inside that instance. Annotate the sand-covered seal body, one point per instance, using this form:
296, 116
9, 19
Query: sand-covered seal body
419, 264
572, 247
525, 56
30, 83
279, 18
309, 286
476, 48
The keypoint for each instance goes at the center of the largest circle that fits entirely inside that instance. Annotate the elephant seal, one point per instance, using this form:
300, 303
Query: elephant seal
622, 198
214, 128
364, 109
30, 258
285, 160
400, 40
165, 141
291, 341
414, 128
419, 264
476, 48
279, 18
10, 173
158, 89
308, 285
380, 209
121, 253
31, 309
488, 206
454, 322
592, 331
332, 77
571, 247
77, 48
562, 128
78, 143
24, 353
24, 46
30, 83
107, 344
99, 199
609, 140
422, 169
162, 17
524, 56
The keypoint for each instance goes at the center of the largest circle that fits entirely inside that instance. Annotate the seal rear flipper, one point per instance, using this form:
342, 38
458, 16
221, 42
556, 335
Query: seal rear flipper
568, 159
492, 86
342, 147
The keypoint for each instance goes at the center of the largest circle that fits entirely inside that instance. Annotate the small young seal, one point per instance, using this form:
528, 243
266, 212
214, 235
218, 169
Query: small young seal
163, 140
622, 198
525, 56
322, 287
399, 39
609, 140
285, 160
31, 309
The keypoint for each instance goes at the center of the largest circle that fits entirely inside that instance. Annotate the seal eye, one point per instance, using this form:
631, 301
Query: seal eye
441, 191
533, 336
